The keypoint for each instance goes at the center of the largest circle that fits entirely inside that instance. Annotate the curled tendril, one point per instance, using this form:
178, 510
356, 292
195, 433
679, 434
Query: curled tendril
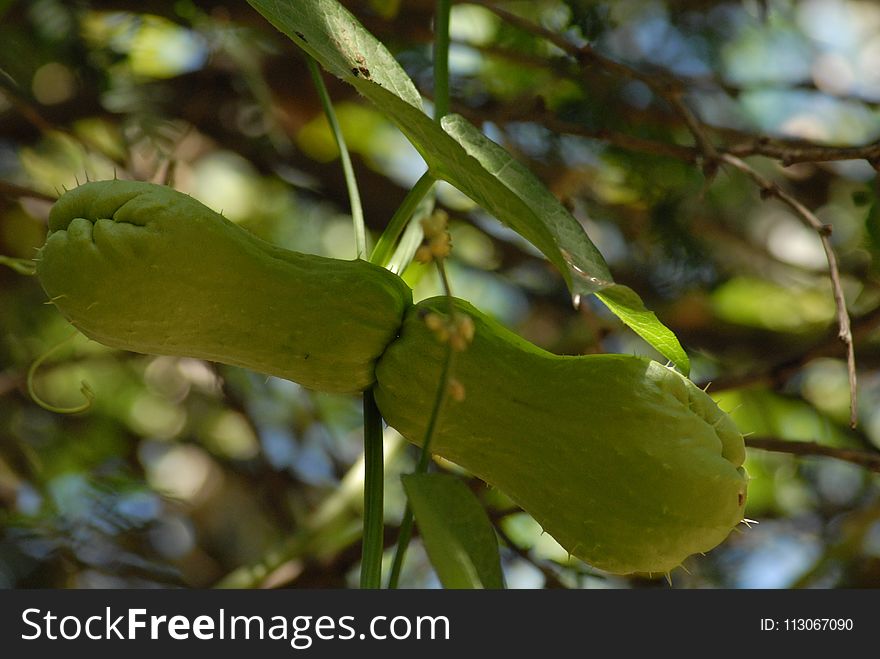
21, 266
84, 388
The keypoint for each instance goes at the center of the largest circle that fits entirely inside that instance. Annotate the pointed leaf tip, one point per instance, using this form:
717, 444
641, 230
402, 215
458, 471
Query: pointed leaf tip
625, 303
457, 533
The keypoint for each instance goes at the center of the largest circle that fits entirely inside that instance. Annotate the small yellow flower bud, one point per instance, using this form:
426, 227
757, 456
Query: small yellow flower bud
456, 390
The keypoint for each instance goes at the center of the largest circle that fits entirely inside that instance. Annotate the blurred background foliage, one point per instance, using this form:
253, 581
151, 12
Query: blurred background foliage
185, 473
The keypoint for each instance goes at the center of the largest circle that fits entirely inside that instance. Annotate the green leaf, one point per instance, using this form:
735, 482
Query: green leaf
586, 267
458, 535
459, 153
628, 306
334, 37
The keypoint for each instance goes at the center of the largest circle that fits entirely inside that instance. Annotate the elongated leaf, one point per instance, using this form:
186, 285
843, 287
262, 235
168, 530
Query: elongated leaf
589, 272
626, 305
334, 37
460, 154
458, 535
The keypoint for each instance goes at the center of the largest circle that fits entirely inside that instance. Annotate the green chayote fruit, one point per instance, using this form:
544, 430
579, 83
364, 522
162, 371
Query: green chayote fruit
625, 462
148, 269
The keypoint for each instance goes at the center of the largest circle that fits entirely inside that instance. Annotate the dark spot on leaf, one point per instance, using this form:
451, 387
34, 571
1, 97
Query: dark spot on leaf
741, 498
308, 354
301, 36
355, 72
365, 71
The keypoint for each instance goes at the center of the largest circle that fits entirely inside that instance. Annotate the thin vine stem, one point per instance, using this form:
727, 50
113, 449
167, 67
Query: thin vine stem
406, 524
809, 219
384, 248
385, 245
374, 476
441, 108
441, 59
85, 389
357, 211
374, 464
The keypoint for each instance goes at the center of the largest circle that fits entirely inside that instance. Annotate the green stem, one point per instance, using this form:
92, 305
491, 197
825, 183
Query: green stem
385, 246
406, 525
357, 212
395, 228
374, 466
374, 483
441, 59
85, 389
403, 538
447, 289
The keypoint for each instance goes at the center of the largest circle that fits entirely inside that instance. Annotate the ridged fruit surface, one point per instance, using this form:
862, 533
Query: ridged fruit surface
626, 463
145, 268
